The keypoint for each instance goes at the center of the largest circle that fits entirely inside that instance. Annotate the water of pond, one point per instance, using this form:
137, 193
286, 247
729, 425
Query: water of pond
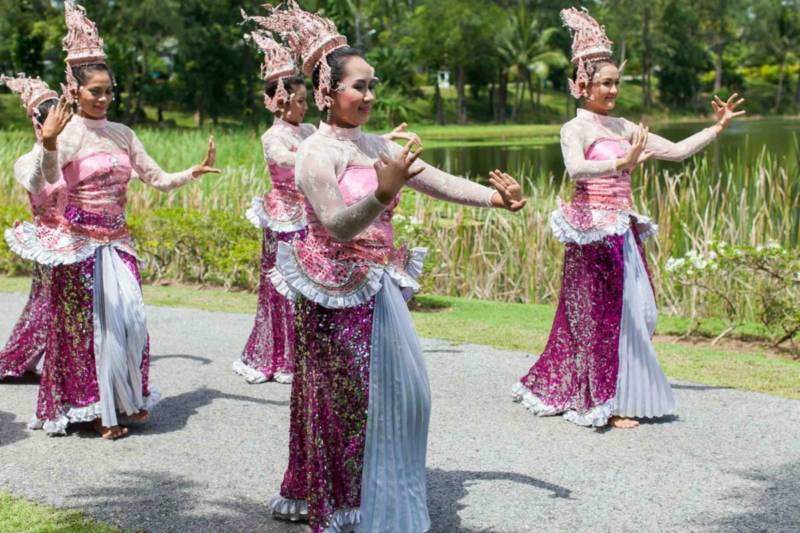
746, 139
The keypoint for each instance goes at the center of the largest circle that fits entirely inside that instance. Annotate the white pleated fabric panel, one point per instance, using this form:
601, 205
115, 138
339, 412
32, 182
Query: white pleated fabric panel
120, 335
642, 388
393, 492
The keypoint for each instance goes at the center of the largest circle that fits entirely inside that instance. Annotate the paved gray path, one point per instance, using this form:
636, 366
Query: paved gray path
215, 450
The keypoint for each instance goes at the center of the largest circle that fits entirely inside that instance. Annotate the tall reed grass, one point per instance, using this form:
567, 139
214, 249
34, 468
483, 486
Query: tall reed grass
495, 254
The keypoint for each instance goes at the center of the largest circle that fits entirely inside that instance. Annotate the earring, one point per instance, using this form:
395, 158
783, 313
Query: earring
329, 116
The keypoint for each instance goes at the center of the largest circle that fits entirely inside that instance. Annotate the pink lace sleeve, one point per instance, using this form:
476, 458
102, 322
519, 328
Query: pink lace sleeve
28, 170
149, 171
278, 150
578, 167
444, 186
316, 176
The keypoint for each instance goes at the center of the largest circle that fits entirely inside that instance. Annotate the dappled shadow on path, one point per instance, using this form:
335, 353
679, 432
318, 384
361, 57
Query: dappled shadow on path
447, 487
773, 506
160, 501
173, 412
196, 358
11, 431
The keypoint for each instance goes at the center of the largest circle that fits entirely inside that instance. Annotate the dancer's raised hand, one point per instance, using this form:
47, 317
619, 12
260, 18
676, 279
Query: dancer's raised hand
509, 191
207, 166
724, 112
401, 132
54, 124
638, 153
394, 173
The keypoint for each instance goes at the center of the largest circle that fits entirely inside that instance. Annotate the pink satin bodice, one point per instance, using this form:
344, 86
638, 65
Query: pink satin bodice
99, 183
613, 191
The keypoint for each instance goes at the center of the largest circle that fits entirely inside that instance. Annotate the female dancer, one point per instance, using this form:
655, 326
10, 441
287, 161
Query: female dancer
599, 365
269, 352
96, 356
23, 351
360, 396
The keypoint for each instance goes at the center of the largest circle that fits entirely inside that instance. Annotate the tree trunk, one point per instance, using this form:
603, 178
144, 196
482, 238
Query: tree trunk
502, 91
492, 110
797, 94
647, 65
439, 105
462, 100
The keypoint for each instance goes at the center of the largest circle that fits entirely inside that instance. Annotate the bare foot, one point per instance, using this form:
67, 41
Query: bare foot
109, 433
139, 417
623, 423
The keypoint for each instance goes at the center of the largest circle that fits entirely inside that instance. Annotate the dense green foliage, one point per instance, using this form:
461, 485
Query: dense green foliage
506, 59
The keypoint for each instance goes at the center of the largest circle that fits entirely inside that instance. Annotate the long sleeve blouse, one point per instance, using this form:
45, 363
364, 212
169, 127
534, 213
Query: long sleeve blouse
83, 137
324, 156
586, 128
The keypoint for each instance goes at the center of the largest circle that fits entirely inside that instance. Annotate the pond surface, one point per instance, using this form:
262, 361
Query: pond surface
744, 139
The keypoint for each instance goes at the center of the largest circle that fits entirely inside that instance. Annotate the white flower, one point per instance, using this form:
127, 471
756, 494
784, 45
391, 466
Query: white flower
674, 264
399, 218
414, 220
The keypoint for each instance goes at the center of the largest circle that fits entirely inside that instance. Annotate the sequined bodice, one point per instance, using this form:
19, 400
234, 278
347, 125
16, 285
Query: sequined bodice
99, 183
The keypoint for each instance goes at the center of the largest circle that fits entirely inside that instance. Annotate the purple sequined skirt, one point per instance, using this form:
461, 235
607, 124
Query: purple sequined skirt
25, 347
269, 352
330, 397
598, 326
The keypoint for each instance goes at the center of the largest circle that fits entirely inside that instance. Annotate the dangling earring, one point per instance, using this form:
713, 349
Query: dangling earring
329, 116
329, 107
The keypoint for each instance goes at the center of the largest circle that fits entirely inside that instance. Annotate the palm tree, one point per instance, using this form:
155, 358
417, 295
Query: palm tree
529, 52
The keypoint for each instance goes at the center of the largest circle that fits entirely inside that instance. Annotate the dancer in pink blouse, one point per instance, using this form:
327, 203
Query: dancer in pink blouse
280, 214
599, 366
25, 347
96, 356
360, 396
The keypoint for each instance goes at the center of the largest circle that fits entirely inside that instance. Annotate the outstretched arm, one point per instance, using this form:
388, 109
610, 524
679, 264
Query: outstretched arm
152, 174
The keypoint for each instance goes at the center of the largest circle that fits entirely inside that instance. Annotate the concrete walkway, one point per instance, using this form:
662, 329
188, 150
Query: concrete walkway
215, 449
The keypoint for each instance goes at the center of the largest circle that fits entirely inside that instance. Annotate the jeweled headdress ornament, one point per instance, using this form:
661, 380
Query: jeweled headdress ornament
83, 43
310, 36
589, 43
277, 65
33, 92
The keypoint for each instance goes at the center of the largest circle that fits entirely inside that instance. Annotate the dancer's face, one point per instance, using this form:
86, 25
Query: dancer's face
601, 95
295, 109
95, 96
355, 94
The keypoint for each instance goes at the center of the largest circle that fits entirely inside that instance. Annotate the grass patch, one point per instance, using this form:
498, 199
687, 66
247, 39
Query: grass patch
525, 327
17, 514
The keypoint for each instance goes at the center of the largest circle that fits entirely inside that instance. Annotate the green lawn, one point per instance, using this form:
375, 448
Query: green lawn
525, 327
19, 515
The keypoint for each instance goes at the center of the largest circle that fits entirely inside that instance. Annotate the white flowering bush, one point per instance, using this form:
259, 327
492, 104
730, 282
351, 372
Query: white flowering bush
743, 283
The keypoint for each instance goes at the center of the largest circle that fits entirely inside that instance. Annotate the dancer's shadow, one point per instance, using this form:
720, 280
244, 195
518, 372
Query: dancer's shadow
28, 378
772, 506
692, 386
173, 412
447, 487
196, 358
163, 501
11, 431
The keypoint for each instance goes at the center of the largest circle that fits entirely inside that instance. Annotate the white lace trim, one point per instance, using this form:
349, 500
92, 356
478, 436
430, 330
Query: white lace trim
254, 376
259, 218
84, 414
341, 521
289, 280
596, 416
533, 403
567, 233
68, 248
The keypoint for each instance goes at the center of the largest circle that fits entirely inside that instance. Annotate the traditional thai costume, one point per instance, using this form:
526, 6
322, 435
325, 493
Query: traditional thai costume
360, 402
25, 347
599, 360
96, 354
280, 214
